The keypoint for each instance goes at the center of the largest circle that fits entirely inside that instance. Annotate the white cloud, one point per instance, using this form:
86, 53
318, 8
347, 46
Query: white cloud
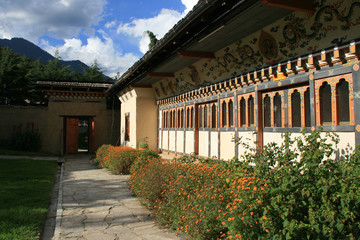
69, 19
189, 4
61, 19
159, 24
103, 51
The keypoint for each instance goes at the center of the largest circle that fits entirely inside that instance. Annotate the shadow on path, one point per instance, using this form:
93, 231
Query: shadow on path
99, 205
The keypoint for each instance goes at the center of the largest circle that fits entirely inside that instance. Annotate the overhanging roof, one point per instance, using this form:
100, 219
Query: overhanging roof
70, 84
209, 27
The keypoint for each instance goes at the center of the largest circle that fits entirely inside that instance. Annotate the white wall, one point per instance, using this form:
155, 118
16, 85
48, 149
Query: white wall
247, 140
140, 104
204, 143
214, 146
172, 140
227, 145
189, 142
165, 140
180, 142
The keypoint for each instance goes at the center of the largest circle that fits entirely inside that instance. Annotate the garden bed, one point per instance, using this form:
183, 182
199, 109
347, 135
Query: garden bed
298, 190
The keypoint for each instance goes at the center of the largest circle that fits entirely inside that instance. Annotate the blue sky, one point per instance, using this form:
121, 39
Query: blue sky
108, 31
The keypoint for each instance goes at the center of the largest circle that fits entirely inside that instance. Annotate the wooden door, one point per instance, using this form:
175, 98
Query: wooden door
72, 134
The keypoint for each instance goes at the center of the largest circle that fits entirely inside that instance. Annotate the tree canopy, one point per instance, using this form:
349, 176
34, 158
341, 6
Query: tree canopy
18, 76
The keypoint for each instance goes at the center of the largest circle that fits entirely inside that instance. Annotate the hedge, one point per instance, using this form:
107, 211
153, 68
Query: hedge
298, 190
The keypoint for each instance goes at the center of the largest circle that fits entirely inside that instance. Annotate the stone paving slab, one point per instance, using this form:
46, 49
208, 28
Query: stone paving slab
98, 205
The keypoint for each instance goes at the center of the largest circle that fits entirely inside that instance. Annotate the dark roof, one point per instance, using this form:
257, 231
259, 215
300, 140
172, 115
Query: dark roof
73, 84
210, 26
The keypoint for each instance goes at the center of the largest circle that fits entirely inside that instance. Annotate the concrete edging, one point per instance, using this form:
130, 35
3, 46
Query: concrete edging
59, 207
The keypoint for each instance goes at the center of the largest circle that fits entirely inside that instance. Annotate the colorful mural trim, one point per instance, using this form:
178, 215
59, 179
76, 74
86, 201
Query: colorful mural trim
295, 35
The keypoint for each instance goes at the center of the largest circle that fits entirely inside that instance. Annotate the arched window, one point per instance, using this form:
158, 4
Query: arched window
342, 97
231, 113
173, 118
178, 118
242, 112
277, 110
213, 116
164, 119
205, 117
251, 111
182, 118
188, 117
224, 119
267, 111
200, 117
171, 121
192, 118
325, 104
296, 109
307, 108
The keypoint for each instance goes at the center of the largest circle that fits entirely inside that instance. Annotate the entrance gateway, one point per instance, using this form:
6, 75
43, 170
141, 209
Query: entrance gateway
79, 134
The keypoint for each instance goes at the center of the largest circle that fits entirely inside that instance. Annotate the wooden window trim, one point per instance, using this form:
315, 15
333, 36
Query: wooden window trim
333, 82
246, 97
226, 100
302, 91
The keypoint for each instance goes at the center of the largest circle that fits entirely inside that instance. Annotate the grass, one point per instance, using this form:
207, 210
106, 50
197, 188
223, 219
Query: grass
25, 187
4, 151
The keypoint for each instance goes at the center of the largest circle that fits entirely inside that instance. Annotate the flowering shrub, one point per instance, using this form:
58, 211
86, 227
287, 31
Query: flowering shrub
119, 159
298, 190
27, 139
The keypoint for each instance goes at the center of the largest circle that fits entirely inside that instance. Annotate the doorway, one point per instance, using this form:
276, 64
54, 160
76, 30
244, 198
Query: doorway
79, 134
83, 135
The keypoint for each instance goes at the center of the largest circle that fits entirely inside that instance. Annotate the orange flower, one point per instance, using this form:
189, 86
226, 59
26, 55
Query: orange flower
223, 223
251, 213
264, 217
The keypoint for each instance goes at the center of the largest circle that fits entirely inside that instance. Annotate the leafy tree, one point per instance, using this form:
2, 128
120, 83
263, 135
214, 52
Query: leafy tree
17, 78
94, 73
55, 71
153, 39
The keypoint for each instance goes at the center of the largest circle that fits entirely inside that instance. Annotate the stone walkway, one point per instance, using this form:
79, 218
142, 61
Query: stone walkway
97, 205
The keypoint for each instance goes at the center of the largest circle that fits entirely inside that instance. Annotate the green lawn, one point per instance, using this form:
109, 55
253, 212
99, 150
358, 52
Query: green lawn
25, 187
5, 151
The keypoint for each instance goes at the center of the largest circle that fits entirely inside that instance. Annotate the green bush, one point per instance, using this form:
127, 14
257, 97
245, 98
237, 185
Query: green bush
120, 159
143, 145
102, 155
298, 190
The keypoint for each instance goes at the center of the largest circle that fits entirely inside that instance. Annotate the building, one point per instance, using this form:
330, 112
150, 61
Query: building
252, 69
76, 118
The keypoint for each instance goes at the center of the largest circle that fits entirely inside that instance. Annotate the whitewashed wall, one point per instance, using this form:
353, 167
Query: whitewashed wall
180, 142
227, 145
189, 142
172, 141
204, 143
214, 146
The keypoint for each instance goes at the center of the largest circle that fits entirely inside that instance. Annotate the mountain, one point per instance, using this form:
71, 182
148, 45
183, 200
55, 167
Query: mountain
26, 48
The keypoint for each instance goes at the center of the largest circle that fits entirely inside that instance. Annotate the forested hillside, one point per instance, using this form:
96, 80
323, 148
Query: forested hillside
26, 48
18, 76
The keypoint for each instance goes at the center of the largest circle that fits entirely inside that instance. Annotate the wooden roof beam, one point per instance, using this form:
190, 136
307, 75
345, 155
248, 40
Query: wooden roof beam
203, 55
160, 74
296, 5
